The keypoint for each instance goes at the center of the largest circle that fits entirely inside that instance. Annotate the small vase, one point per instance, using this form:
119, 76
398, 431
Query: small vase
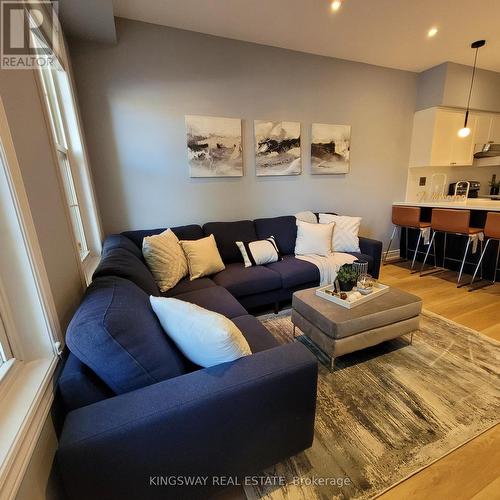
494, 191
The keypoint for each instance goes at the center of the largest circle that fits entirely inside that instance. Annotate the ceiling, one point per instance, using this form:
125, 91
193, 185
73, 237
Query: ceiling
391, 33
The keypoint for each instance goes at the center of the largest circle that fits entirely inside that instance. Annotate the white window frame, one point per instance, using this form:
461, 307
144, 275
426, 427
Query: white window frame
30, 323
74, 178
7, 359
54, 107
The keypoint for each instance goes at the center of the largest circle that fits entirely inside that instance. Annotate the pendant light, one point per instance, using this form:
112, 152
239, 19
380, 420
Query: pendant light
465, 131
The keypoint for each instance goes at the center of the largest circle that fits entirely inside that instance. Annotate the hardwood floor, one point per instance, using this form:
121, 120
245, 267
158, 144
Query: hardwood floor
479, 310
473, 470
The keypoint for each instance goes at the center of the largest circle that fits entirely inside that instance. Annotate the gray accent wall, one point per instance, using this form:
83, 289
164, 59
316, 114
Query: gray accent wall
134, 95
430, 87
485, 94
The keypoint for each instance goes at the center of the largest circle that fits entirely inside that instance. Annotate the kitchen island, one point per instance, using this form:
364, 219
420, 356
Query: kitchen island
469, 204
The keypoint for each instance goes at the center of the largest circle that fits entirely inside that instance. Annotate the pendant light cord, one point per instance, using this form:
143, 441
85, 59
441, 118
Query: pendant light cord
472, 80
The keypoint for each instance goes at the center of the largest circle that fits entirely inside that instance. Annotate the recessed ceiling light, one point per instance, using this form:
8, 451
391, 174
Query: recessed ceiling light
335, 5
432, 32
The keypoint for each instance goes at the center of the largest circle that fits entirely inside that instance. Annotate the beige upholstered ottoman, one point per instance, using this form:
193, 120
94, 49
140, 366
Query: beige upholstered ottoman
337, 330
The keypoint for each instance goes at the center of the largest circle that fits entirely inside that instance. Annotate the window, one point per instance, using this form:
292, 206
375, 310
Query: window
30, 333
69, 151
5, 353
52, 97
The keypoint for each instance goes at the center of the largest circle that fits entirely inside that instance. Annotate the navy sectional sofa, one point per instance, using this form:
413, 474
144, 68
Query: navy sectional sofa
137, 413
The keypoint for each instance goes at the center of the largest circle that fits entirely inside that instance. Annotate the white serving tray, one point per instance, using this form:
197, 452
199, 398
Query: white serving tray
378, 290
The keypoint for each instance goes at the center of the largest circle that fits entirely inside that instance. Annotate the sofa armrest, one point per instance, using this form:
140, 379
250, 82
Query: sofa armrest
229, 420
374, 249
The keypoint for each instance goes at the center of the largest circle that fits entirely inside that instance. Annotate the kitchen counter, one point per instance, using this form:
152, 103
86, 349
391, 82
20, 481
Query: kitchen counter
470, 204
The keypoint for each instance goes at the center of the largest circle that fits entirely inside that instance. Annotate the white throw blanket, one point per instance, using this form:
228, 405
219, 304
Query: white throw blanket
328, 266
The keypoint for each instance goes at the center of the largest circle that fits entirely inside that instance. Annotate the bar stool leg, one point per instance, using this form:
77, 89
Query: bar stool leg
487, 283
406, 249
427, 253
444, 249
463, 263
390, 243
480, 263
416, 249
435, 253
496, 263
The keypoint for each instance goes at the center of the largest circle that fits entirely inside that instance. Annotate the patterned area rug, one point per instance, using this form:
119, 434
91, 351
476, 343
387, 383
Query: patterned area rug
389, 411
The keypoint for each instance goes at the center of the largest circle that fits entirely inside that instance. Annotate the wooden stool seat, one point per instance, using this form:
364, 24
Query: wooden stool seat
452, 221
491, 233
405, 217
492, 227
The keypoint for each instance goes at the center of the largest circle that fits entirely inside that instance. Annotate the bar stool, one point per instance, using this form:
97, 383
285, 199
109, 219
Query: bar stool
407, 218
491, 233
450, 221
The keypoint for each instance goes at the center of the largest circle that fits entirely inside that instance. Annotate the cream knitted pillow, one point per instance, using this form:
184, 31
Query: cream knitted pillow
165, 259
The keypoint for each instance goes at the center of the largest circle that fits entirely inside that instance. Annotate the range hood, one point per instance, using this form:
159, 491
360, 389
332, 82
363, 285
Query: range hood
487, 155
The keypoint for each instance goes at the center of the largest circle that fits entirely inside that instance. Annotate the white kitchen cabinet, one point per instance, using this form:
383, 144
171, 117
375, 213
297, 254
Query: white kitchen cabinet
488, 128
435, 141
495, 129
483, 128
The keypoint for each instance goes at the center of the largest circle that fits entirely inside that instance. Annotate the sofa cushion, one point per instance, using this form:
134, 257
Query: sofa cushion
119, 241
227, 234
241, 280
118, 336
186, 285
124, 264
284, 230
79, 386
215, 299
295, 272
190, 232
258, 336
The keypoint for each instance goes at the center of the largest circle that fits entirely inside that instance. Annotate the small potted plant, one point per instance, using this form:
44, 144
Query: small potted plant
347, 277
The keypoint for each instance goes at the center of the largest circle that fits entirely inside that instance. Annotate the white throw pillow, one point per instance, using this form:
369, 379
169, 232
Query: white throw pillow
204, 337
307, 217
259, 252
165, 259
345, 234
313, 238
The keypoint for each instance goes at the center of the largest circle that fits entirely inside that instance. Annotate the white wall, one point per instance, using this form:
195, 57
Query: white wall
134, 95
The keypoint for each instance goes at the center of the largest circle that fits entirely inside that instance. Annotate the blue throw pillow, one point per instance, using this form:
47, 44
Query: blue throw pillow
117, 335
